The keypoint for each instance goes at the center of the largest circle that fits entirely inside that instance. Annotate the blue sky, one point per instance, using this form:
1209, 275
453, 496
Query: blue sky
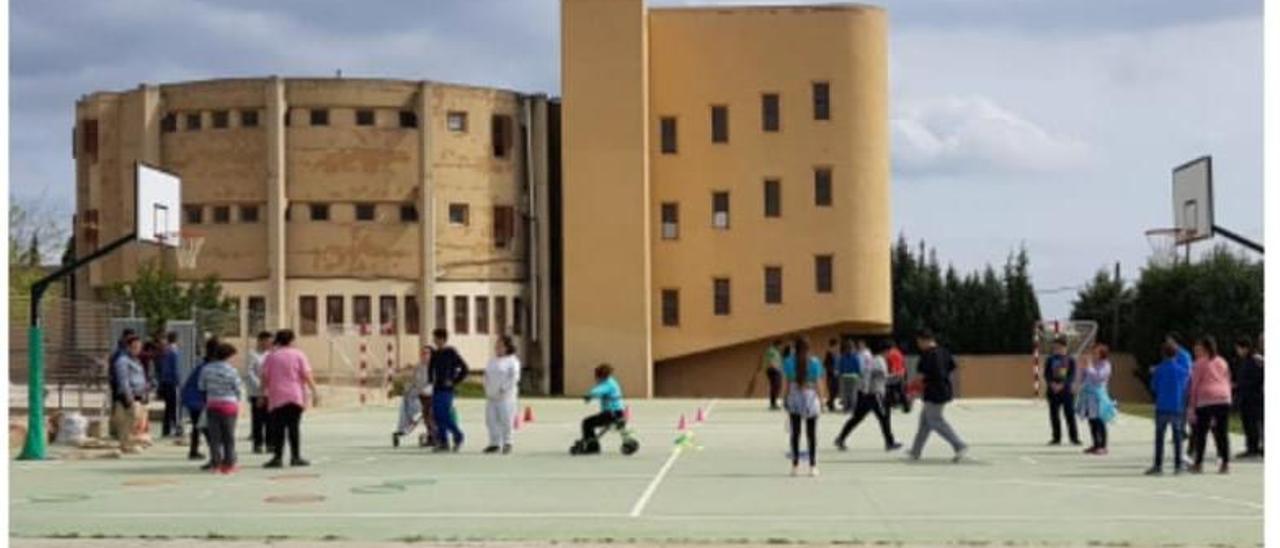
1042, 123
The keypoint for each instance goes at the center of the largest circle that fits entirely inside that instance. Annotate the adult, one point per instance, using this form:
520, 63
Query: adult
448, 370
935, 368
1248, 381
896, 386
1096, 405
773, 371
167, 385
871, 391
802, 372
287, 381
501, 387
1169, 384
1209, 403
254, 360
121, 348
830, 367
849, 368
128, 392
1060, 376
222, 386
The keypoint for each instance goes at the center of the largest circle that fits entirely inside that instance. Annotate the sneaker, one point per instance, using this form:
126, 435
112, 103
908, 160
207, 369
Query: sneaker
299, 462
1054, 442
195, 456
841, 446
506, 449
893, 446
795, 470
1247, 455
208, 466
1091, 451
1076, 442
457, 447
1224, 468
257, 450
961, 454
1153, 471
491, 449
273, 463
395, 439
1195, 469
813, 472
1102, 451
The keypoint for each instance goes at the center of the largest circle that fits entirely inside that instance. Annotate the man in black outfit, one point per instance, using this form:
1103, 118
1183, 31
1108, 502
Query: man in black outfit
1059, 377
446, 371
1248, 380
773, 371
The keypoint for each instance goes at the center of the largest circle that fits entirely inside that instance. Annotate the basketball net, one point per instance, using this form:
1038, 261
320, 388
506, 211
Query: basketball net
1164, 245
188, 250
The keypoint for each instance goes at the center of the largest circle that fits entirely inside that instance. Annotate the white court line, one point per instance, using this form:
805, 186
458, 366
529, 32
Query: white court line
1137, 491
1027, 459
662, 472
771, 518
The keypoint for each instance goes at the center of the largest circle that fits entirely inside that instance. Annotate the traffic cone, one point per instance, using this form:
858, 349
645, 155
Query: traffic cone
702, 416
528, 413
682, 426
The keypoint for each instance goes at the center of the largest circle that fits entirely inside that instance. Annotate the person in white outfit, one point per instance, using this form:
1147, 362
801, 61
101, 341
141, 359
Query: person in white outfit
501, 387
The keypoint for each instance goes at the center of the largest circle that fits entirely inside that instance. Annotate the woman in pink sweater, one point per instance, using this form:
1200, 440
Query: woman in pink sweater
1209, 402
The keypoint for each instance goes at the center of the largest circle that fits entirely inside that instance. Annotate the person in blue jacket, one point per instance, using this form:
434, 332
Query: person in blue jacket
609, 392
167, 384
1169, 382
193, 400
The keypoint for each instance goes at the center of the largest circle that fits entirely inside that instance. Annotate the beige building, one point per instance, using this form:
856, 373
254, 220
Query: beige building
360, 213
726, 182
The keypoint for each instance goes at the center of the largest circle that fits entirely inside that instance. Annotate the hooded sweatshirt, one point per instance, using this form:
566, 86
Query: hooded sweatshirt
1169, 383
1210, 383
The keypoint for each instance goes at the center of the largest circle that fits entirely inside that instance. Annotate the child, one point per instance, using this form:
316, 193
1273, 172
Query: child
802, 372
221, 384
253, 385
609, 392
193, 399
1169, 383
448, 370
1095, 404
501, 386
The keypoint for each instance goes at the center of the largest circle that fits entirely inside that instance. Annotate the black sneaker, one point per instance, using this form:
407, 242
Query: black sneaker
1076, 442
195, 456
395, 439
893, 446
439, 449
491, 449
273, 463
257, 450
206, 467
1054, 442
506, 449
1154, 471
841, 446
457, 447
299, 462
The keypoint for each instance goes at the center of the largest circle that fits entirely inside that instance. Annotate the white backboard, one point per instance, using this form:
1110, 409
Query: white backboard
158, 217
1193, 199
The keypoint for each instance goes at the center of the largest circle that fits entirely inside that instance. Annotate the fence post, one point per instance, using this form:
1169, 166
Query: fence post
34, 448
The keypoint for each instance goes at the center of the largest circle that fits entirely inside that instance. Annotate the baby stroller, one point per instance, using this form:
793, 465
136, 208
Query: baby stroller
592, 446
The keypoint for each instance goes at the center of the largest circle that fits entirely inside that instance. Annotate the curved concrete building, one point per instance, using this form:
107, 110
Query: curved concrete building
726, 182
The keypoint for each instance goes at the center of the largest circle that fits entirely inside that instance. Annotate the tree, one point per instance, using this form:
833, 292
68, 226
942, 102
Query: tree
1099, 301
27, 230
159, 297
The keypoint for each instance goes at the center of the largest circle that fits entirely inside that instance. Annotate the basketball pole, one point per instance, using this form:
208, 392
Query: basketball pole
35, 446
1238, 239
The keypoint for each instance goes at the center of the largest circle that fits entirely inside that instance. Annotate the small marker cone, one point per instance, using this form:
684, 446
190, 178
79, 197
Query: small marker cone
682, 426
701, 416
528, 413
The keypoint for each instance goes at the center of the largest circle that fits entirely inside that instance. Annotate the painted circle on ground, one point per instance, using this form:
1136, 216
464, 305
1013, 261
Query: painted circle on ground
414, 482
146, 482
302, 498
383, 489
58, 498
293, 477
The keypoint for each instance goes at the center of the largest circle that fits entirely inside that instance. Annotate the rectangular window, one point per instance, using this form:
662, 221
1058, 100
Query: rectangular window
90, 138
412, 323
195, 214
821, 101
503, 226
720, 210
408, 213
769, 107
169, 123
482, 315
248, 213
668, 124
822, 186
773, 285
364, 117
319, 212
335, 317
500, 315
257, 315
362, 313
461, 315
221, 214
459, 214
772, 198
408, 118
720, 296
248, 118
442, 313
456, 121
670, 307
366, 212
388, 320
307, 314
719, 124
319, 117
670, 221
822, 273
221, 119
501, 127
232, 327
193, 121
517, 316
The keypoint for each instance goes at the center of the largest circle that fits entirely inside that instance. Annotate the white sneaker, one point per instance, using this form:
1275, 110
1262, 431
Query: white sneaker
813, 472
795, 471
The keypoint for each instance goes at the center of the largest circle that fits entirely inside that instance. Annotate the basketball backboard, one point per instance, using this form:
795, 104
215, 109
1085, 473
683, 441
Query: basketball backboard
1193, 200
158, 217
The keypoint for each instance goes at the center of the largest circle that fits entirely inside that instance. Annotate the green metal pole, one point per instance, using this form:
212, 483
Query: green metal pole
34, 449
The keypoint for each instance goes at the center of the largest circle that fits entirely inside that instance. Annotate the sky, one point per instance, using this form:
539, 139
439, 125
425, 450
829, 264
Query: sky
1040, 123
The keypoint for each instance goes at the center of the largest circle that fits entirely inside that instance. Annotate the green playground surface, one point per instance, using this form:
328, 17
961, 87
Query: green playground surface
730, 484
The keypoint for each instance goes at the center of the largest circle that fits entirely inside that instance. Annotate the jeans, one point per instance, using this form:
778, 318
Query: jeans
869, 403
811, 433
1063, 403
1171, 421
222, 439
1251, 418
931, 420
169, 395
1215, 417
196, 431
833, 389
775, 385
258, 421
286, 418
446, 425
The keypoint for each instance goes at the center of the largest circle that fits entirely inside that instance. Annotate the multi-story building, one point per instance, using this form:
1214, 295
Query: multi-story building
726, 182
361, 213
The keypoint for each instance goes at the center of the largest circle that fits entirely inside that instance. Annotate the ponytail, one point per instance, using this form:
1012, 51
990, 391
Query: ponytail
802, 361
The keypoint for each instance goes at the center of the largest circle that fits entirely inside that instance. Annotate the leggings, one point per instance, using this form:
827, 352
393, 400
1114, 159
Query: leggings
222, 439
1214, 416
811, 432
1098, 430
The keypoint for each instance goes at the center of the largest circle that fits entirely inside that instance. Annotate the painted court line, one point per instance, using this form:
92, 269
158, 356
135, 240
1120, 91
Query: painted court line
770, 518
662, 472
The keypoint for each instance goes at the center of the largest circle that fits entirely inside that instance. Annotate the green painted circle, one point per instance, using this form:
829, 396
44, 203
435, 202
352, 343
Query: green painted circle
383, 489
67, 497
411, 482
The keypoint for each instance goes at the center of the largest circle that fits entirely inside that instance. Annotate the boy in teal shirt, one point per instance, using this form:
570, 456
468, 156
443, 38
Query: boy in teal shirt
609, 392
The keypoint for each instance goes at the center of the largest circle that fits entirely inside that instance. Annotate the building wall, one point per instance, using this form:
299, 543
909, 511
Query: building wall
1009, 376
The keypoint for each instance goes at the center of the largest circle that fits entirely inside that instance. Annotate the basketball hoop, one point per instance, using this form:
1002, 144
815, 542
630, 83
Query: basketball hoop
188, 249
1164, 245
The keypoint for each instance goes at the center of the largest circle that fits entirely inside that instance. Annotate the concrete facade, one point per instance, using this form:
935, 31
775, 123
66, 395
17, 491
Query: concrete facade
694, 144
333, 206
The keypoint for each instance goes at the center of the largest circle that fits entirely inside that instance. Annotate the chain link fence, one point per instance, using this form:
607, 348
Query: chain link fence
77, 343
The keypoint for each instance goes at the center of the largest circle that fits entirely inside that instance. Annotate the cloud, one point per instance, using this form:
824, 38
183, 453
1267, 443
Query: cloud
967, 135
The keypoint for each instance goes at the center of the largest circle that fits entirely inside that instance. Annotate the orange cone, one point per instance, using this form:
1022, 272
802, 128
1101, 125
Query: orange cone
702, 416
528, 413
682, 426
